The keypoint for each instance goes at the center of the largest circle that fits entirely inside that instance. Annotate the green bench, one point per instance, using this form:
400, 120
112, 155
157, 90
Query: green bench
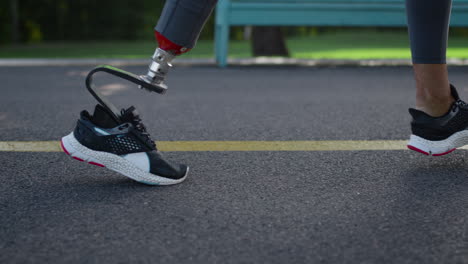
384, 13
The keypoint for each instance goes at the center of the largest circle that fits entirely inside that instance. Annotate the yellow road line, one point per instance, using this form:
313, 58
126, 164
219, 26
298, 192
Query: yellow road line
326, 145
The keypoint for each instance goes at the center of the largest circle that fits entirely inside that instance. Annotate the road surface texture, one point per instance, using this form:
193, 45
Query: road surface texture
384, 206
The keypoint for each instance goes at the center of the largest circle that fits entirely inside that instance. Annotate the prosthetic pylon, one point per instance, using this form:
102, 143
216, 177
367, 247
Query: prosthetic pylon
161, 60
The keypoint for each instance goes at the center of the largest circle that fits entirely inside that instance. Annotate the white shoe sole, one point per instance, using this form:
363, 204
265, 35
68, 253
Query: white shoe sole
440, 147
72, 147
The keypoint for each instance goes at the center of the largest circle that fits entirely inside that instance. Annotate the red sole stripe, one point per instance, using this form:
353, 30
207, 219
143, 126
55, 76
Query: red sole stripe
77, 158
97, 164
68, 153
418, 150
63, 148
445, 153
428, 154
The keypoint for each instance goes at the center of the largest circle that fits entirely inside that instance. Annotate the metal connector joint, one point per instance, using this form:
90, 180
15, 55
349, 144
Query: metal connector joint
159, 67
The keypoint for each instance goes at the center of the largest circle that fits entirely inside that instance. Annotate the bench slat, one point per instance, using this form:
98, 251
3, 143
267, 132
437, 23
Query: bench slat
381, 13
331, 1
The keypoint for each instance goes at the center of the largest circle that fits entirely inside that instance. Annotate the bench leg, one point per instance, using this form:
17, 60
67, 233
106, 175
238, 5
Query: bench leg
221, 44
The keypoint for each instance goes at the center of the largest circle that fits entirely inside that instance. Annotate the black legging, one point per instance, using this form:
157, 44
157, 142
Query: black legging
428, 26
428, 21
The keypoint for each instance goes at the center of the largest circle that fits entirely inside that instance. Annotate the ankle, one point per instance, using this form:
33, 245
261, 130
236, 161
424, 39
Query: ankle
434, 106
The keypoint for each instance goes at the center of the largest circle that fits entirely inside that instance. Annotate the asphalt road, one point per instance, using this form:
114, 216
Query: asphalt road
235, 207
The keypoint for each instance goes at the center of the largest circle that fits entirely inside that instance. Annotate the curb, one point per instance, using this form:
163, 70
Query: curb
93, 62
260, 61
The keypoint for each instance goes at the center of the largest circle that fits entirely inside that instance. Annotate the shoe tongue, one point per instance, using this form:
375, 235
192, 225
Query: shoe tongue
454, 92
129, 114
103, 118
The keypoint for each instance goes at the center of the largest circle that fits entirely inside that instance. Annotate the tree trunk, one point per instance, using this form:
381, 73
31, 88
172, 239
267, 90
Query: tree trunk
268, 41
14, 21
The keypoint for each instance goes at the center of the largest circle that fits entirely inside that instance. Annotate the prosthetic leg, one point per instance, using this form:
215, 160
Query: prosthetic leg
177, 32
117, 139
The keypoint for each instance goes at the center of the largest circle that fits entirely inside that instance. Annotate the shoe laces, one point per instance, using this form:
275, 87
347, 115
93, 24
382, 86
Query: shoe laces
459, 103
138, 124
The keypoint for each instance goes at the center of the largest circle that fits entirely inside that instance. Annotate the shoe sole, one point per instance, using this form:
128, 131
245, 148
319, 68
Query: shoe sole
440, 147
73, 148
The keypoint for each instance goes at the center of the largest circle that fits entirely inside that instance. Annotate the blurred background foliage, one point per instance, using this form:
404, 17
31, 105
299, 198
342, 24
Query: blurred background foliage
71, 20
35, 21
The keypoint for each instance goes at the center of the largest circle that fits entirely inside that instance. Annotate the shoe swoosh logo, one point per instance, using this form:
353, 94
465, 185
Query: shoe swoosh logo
102, 132
444, 121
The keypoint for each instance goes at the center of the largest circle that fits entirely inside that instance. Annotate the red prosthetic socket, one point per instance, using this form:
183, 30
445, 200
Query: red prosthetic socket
167, 45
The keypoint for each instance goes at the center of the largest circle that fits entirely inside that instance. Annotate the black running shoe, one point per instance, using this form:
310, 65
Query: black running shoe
438, 136
124, 147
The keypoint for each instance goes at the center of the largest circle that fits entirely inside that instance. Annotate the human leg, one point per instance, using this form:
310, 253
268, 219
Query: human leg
440, 120
428, 26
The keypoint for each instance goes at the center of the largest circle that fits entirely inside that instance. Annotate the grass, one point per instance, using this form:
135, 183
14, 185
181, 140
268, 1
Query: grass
360, 44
